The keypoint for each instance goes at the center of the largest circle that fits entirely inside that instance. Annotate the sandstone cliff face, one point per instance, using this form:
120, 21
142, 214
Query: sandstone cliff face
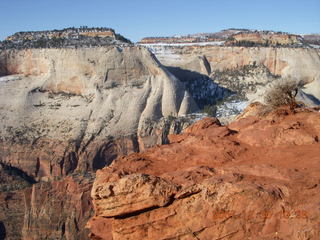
64, 33
52, 210
257, 178
264, 38
66, 110
297, 63
65, 38
56, 209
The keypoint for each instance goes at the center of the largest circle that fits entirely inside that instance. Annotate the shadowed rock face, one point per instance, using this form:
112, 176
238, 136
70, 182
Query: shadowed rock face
66, 110
255, 178
53, 210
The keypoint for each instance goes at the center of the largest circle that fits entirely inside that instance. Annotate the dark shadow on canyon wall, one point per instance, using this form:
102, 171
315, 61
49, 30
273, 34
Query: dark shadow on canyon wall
312, 98
3, 71
202, 88
3, 232
14, 171
114, 148
104, 156
3, 66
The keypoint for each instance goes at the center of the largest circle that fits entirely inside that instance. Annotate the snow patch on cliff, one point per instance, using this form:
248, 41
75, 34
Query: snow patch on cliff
217, 43
10, 78
229, 109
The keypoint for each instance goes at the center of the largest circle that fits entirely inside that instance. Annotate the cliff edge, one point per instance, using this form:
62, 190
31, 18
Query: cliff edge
255, 178
62, 108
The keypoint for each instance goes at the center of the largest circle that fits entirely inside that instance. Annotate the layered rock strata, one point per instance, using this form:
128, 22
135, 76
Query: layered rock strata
47, 210
255, 178
225, 68
65, 110
68, 37
66, 113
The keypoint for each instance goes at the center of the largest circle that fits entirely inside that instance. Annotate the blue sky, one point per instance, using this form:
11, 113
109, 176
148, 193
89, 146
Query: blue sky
140, 18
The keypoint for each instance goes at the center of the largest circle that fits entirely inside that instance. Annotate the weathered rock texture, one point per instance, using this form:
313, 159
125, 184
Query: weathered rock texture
52, 210
153, 132
66, 113
64, 38
257, 178
227, 67
132, 193
64, 33
56, 209
66, 110
277, 39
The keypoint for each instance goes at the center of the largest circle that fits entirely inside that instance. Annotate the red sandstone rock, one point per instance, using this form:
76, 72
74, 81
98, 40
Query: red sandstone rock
131, 194
52, 210
257, 178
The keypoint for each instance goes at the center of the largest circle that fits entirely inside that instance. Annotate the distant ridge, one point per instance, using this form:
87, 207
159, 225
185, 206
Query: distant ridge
68, 37
239, 37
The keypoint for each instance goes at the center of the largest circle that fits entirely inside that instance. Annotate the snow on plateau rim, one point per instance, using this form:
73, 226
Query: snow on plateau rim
10, 78
182, 44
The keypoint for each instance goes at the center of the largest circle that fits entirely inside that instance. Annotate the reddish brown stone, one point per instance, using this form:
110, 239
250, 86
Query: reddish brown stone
255, 179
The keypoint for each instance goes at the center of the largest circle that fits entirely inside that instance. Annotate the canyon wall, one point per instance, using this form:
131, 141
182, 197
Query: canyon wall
302, 64
299, 62
66, 113
63, 109
47, 210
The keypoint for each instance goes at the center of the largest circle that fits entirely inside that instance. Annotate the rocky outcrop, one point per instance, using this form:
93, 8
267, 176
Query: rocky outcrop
64, 33
215, 182
153, 132
66, 110
131, 194
265, 39
46, 210
68, 37
313, 39
227, 70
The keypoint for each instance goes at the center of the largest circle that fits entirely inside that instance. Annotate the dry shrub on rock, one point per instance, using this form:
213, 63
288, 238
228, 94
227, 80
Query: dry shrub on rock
282, 93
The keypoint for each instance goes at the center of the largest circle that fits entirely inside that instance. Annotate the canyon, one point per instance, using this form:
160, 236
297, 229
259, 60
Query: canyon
83, 120
66, 113
81, 102
245, 70
239, 66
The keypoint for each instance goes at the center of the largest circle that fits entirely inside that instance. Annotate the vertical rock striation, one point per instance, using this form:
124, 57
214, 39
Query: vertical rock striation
66, 113
66, 110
